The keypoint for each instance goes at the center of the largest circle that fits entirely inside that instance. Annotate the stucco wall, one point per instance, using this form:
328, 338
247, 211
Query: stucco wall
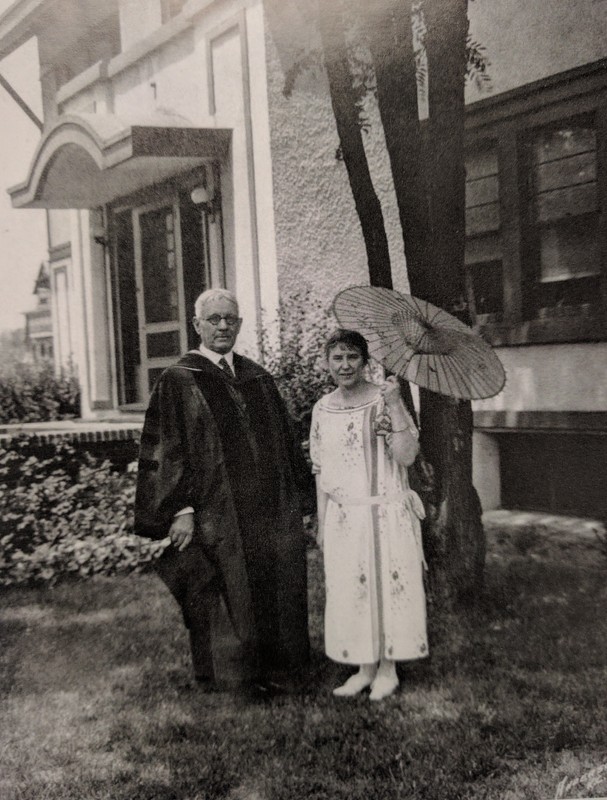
559, 377
319, 243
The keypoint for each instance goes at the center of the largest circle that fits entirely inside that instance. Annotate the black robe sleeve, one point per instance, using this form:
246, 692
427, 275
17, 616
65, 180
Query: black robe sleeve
164, 474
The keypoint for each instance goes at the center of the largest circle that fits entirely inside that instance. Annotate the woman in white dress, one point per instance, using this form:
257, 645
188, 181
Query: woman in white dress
361, 442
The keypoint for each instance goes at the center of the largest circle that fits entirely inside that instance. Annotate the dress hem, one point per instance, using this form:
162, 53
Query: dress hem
357, 663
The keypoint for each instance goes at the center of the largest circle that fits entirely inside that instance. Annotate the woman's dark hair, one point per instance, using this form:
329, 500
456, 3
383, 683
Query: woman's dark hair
351, 339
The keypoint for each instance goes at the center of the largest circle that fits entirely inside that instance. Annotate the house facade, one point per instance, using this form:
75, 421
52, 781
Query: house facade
156, 166
172, 160
537, 252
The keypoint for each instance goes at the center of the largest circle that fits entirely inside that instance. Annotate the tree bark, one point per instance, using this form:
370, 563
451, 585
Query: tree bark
343, 100
429, 182
447, 28
455, 533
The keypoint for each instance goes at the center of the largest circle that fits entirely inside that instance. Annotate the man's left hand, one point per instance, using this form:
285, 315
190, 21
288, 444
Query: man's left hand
182, 530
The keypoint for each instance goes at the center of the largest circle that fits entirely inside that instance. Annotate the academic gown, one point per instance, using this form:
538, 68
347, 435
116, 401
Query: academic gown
224, 447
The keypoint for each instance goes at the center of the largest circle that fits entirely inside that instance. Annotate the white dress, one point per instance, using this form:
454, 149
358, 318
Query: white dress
375, 600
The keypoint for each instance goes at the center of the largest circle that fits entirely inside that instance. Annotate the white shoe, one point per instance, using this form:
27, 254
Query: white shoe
354, 685
383, 686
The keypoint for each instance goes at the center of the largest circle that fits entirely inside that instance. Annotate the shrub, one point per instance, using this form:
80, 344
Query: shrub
33, 393
293, 352
69, 514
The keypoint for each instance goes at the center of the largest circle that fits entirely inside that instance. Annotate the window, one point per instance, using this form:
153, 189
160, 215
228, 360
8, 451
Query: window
483, 247
536, 197
562, 225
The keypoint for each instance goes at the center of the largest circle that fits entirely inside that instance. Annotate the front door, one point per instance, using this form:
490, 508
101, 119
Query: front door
161, 262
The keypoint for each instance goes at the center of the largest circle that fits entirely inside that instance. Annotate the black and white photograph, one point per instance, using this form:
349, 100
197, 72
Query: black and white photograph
303, 399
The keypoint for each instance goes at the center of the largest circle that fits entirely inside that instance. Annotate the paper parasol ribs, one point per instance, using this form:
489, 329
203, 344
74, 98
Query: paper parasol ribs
421, 343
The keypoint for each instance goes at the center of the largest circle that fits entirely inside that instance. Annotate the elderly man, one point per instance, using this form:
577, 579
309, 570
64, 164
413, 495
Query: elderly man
220, 474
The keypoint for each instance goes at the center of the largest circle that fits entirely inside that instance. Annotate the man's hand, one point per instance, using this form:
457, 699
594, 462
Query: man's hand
182, 530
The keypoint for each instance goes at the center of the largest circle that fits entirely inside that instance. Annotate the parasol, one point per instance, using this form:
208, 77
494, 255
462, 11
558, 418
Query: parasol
420, 342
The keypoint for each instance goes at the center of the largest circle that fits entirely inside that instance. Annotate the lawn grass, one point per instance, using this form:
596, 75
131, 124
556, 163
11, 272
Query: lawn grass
96, 700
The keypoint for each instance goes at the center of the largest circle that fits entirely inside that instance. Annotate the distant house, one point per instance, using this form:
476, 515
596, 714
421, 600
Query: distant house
171, 160
38, 321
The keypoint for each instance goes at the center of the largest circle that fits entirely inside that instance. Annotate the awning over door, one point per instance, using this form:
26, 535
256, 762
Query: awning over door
86, 160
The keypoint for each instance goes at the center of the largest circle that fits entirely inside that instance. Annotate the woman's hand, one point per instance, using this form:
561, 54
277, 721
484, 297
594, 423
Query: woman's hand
390, 391
396, 424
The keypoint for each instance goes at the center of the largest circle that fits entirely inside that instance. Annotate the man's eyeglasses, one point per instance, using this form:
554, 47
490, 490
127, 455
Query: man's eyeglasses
230, 320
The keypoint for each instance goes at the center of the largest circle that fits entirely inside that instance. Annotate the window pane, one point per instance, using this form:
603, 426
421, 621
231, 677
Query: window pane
483, 248
570, 140
558, 204
163, 344
570, 249
564, 211
159, 273
483, 239
482, 192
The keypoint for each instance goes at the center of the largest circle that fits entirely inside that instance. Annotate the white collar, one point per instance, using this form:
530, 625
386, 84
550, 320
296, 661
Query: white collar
216, 357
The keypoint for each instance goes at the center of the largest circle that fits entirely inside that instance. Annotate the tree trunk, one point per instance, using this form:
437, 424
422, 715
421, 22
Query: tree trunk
344, 102
390, 39
429, 181
455, 534
447, 28
345, 110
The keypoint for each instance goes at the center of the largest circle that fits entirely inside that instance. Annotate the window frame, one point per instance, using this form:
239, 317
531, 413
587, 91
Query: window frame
537, 294
477, 240
509, 119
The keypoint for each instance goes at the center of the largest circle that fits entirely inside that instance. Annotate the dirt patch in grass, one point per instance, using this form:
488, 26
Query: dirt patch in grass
97, 702
546, 537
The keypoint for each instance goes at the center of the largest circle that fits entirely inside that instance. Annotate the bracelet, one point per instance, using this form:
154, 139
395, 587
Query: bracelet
399, 430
